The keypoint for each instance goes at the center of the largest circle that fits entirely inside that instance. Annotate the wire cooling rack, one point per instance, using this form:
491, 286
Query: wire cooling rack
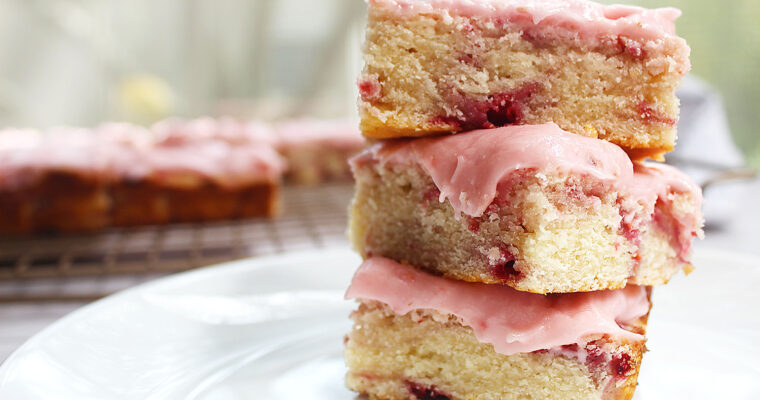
90, 266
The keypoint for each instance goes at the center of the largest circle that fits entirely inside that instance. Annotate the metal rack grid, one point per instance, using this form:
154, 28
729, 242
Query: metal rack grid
90, 266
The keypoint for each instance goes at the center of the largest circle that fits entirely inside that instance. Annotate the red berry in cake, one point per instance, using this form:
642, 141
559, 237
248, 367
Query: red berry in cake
505, 271
500, 109
595, 356
431, 196
633, 235
473, 224
651, 116
631, 47
369, 88
627, 229
470, 59
507, 108
570, 347
422, 392
621, 365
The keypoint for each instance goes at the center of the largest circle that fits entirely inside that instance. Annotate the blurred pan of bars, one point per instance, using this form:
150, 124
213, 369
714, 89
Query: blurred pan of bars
218, 48
86, 267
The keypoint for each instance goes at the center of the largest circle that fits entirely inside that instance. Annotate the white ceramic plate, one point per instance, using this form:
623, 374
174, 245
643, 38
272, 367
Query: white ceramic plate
272, 328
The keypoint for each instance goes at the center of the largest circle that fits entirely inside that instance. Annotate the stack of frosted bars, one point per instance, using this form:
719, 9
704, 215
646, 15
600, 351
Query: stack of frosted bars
510, 226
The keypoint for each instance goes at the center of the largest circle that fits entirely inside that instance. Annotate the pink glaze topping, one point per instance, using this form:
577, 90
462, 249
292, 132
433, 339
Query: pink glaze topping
468, 167
25, 153
512, 321
226, 152
591, 21
344, 134
665, 180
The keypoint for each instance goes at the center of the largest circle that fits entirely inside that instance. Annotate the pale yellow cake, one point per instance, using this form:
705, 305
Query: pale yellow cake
544, 231
425, 355
444, 67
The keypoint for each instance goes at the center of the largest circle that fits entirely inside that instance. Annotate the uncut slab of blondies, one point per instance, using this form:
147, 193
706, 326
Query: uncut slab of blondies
85, 180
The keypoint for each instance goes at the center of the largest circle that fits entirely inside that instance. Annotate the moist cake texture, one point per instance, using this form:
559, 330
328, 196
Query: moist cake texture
443, 66
510, 228
420, 336
533, 207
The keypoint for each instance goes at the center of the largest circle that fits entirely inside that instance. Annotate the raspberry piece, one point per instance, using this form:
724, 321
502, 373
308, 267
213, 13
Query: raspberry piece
500, 109
369, 88
621, 365
652, 116
422, 392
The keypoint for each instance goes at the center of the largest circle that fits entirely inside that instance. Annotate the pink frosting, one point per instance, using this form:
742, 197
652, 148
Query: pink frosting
468, 167
590, 20
512, 321
26, 153
338, 133
227, 152
664, 180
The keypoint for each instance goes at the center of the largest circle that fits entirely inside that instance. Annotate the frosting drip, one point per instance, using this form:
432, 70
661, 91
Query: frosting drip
512, 321
591, 21
664, 180
468, 167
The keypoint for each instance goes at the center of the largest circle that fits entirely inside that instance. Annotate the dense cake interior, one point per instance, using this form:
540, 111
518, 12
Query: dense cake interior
439, 68
538, 213
416, 334
428, 355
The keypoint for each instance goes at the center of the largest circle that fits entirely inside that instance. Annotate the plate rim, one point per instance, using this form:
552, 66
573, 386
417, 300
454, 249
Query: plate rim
252, 263
249, 263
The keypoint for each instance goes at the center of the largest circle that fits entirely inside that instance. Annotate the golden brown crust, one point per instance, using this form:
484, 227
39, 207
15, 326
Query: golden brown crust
136, 203
69, 202
56, 201
655, 153
373, 128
